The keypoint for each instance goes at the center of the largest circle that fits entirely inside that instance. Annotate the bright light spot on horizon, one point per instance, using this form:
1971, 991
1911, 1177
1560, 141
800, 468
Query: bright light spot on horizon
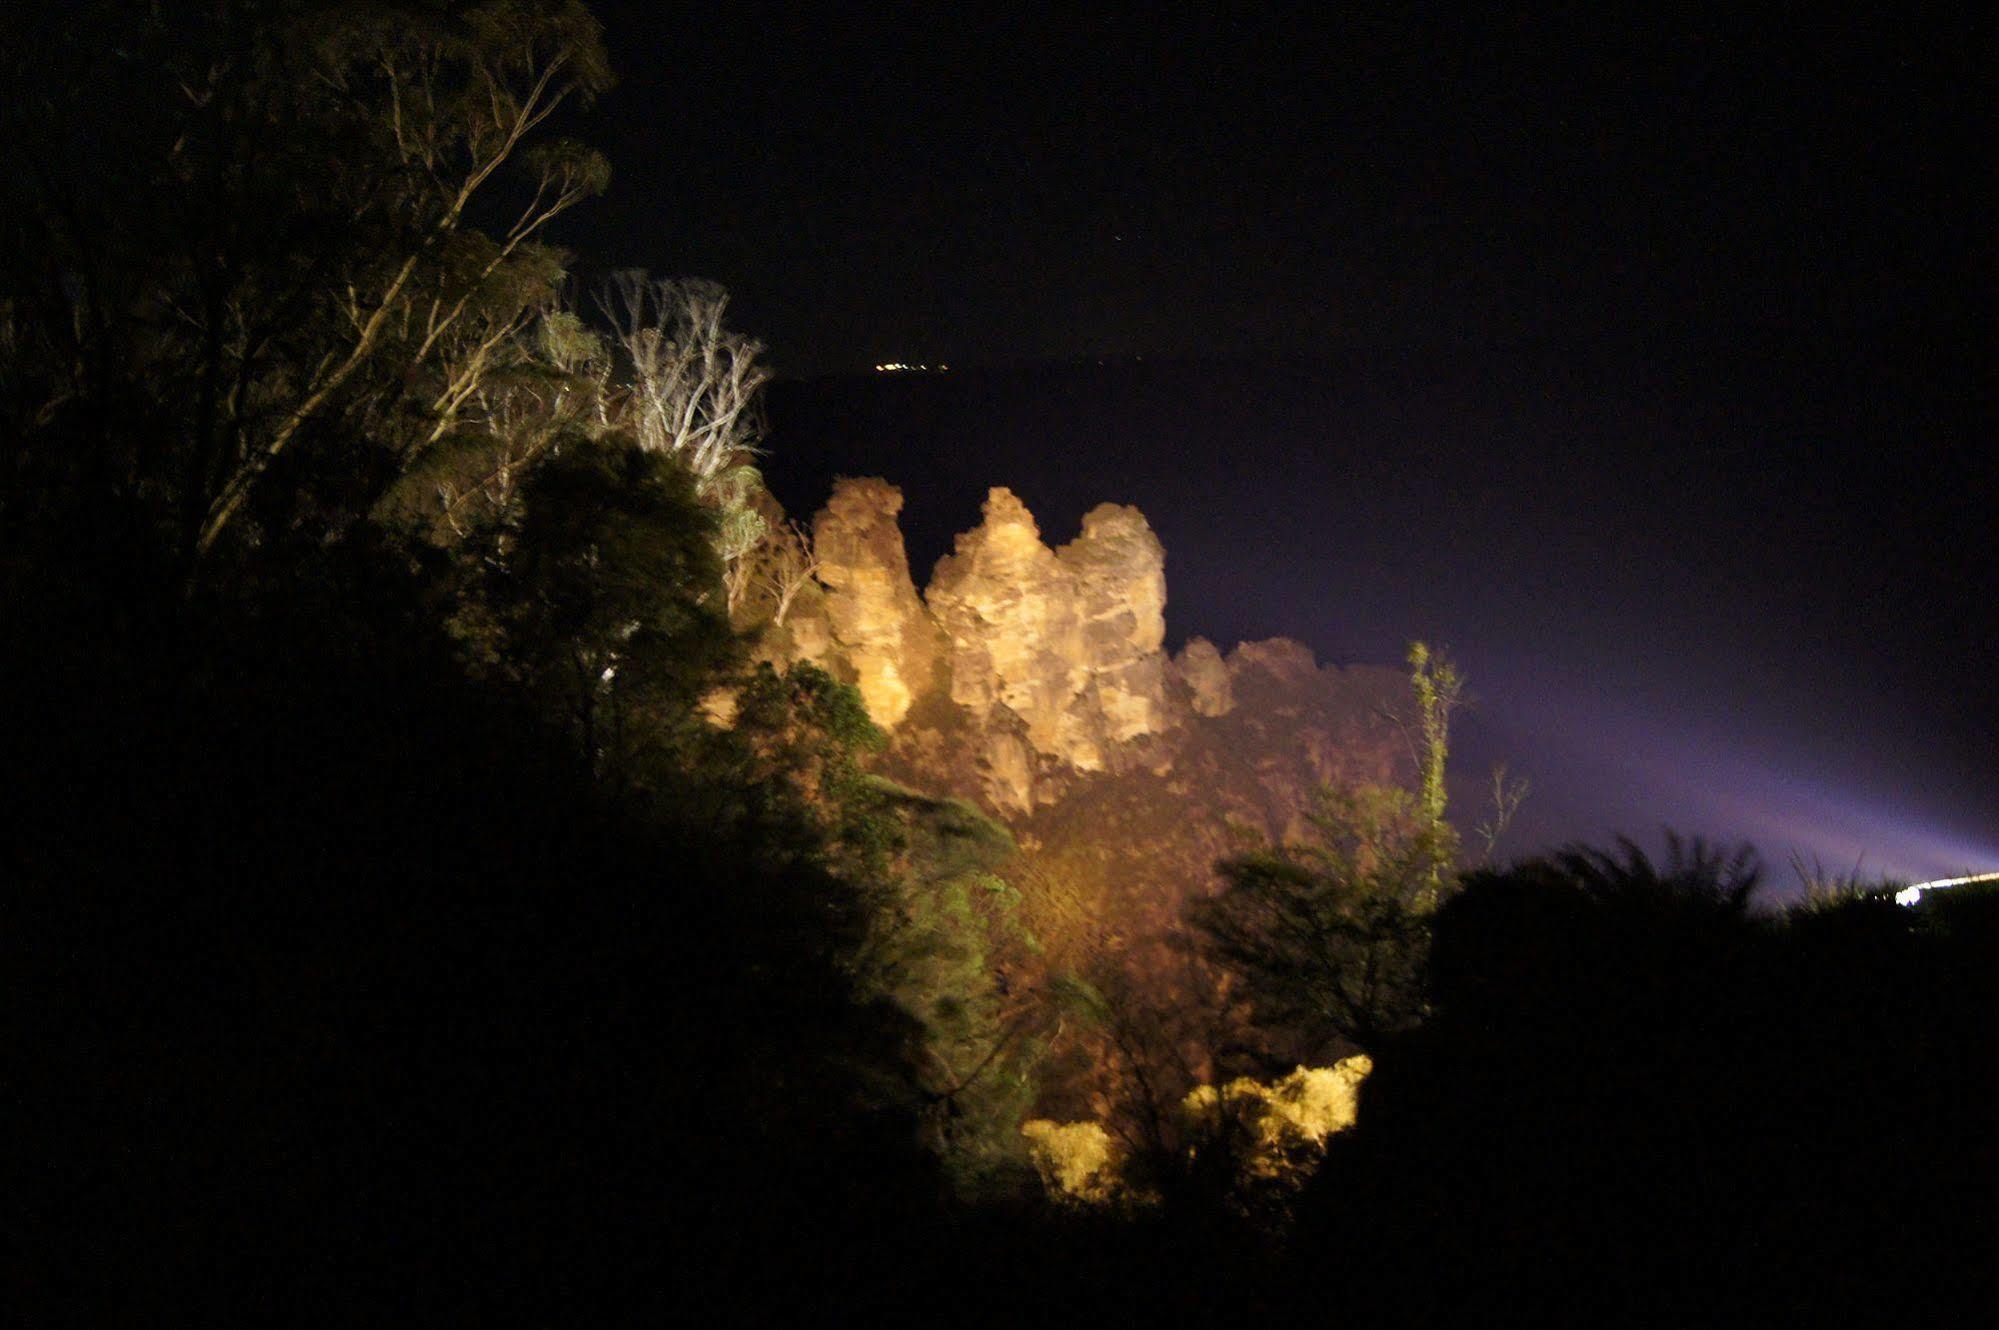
1910, 895
898, 367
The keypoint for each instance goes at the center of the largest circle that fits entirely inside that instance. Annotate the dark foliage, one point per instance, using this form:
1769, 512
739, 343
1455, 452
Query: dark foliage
1638, 1101
349, 983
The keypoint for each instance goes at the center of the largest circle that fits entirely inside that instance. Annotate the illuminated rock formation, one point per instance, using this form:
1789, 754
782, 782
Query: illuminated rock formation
1034, 681
1068, 640
1199, 666
1022, 671
878, 626
1119, 572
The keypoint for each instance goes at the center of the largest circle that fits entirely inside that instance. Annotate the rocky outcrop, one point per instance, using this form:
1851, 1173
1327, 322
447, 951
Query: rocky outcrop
877, 624
1199, 666
1020, 667
1279, 658
1068, 640
1034, 680
1023, 671
1119, 572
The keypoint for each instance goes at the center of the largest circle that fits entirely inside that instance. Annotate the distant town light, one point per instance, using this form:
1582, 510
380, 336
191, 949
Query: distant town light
898, 367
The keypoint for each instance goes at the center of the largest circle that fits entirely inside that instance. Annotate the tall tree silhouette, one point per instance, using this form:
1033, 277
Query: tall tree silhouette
259, 257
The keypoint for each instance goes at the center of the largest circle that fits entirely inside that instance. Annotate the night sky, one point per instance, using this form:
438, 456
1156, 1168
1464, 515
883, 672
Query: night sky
1646, 367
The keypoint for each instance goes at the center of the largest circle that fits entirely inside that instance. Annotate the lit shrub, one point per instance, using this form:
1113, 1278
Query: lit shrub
1277, 1131
1078, 1162
1273, 1136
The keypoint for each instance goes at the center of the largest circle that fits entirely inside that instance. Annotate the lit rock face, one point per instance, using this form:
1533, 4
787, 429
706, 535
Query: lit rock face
1199, 665
1034, 682
1119, 569
1069, 639
1008, 610
1025, 673
877, 623
1280, 657
1021, 668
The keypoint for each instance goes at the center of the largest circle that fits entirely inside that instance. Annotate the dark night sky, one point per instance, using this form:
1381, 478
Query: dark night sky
1644, 365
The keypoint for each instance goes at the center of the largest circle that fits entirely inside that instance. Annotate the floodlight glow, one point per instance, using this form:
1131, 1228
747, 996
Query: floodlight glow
1910, 895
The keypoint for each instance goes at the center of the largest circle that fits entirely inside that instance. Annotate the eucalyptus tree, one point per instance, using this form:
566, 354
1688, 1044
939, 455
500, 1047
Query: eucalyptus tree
694, 397
262, 257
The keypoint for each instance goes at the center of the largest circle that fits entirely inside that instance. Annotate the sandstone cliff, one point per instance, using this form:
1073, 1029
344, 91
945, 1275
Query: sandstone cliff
1034, 680
884, 637
1017, 669
1066, 640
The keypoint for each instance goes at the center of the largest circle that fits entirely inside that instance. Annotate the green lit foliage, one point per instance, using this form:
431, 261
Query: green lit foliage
1438, 687
942, 935
410, 706
1326, 935
596, 600
807, 729
546, 389
944, 952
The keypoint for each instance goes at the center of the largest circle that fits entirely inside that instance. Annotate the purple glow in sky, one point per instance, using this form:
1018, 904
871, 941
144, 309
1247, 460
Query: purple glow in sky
1605, 767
